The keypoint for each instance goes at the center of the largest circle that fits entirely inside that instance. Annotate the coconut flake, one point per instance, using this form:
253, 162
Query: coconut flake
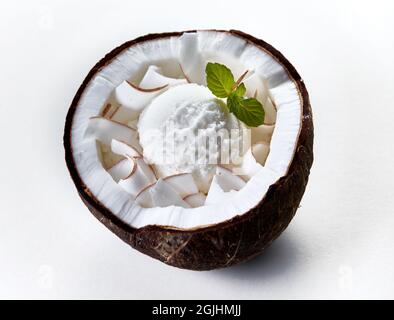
147, 169
249, 166
260, 152
191, 60
195, 200
121, 169
163, 195
144, 198
133, 124
255, 87
216, 194
140, 177
153, 78
182, 183
270, 111
125, 150
132, 97
105, 130
227, 180
262, 133
108, 158
123, 115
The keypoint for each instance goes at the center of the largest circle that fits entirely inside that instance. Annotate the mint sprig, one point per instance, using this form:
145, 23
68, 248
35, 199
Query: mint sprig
220, 81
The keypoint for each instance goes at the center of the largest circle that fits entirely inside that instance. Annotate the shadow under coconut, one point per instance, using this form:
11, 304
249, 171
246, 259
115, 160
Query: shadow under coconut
276, 260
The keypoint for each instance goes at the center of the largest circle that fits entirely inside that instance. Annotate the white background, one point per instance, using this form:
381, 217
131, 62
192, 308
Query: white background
340, 244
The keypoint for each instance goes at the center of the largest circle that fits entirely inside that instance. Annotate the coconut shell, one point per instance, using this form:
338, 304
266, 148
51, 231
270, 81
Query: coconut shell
232, 241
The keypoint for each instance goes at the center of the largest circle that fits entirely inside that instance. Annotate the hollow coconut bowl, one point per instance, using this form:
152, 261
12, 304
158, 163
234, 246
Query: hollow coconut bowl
252, 225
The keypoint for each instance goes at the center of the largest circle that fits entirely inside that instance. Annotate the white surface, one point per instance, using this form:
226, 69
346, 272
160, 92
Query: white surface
340, 244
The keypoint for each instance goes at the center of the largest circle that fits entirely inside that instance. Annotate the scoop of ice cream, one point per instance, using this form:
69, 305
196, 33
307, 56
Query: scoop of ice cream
187, 129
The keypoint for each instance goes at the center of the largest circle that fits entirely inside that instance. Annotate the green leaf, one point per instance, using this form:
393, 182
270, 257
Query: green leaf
232, 102
249, 111
241, 90
220, 79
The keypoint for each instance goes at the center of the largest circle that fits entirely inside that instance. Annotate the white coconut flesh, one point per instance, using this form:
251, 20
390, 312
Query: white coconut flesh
146, 85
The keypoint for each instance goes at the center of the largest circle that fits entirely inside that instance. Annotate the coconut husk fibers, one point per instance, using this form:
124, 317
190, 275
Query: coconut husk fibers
229, 242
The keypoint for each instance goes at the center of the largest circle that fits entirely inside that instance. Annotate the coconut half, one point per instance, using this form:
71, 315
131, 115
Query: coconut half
169, 219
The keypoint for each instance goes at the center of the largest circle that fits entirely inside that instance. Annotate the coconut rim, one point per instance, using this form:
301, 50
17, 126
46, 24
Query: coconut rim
92, 201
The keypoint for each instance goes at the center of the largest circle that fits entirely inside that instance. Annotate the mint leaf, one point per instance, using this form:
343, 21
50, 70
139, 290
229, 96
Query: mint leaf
250, 111
220, 79
241, 90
